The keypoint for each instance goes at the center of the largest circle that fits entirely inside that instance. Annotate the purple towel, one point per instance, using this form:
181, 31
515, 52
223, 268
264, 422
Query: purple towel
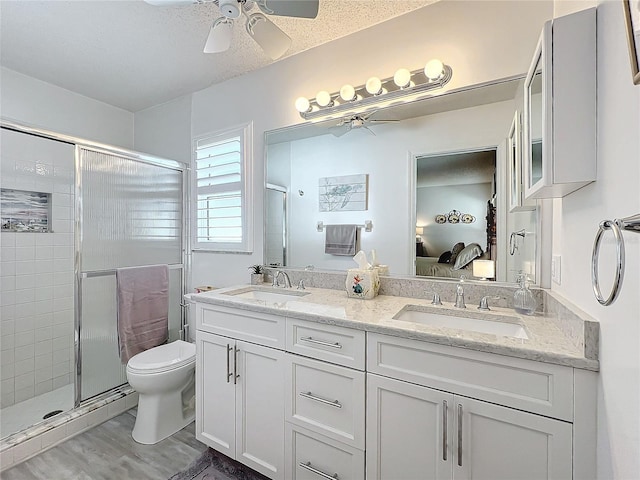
143, 308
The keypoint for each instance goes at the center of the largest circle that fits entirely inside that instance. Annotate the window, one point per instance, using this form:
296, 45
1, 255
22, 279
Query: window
222, 191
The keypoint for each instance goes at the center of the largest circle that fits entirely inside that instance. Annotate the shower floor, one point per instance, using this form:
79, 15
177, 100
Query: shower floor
24, 414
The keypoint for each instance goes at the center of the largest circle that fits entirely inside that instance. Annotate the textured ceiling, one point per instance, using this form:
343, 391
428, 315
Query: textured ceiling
456, 169
134, 55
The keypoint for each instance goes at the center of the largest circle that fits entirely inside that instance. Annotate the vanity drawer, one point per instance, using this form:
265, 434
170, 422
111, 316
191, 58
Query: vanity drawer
536, 387
254, 327
310, 456
340, 345
326, 398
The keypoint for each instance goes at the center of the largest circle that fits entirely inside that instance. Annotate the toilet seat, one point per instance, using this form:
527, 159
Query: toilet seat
163, 358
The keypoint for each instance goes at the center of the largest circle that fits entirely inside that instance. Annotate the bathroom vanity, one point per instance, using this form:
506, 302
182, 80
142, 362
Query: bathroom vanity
312, 384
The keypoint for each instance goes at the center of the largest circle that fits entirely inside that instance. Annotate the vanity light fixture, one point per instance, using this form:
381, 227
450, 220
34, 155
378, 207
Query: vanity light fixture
323, 99
402, 78
404, 86
348, 93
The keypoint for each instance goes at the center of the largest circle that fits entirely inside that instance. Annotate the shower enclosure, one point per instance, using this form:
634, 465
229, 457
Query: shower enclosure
72, 213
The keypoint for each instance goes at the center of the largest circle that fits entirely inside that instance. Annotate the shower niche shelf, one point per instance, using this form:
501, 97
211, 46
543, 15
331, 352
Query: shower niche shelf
25, 211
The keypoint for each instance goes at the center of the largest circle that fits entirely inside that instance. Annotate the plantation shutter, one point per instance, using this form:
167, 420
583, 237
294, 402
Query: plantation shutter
219, 190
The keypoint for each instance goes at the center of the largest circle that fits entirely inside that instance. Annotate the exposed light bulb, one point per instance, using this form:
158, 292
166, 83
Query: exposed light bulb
347, 93
374, 86
402, 78
302, 105
323, 98
434, 69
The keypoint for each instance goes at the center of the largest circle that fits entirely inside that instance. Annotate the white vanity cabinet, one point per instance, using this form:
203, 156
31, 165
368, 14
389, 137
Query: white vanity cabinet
559, 151
325, 402
239, 394
431, 428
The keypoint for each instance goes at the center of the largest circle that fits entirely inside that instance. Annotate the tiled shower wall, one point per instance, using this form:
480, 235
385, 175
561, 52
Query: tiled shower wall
37, 272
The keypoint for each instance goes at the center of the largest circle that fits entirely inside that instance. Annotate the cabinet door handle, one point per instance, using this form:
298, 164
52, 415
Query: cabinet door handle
309, 395
228, 363
321, 342
308, 466
459, 434
236, 376
444, 430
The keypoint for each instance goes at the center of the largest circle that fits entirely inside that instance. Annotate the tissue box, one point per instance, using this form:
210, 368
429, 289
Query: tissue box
362, 283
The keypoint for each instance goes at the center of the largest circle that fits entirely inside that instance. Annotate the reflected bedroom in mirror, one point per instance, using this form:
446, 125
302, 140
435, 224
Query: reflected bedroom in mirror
437, 192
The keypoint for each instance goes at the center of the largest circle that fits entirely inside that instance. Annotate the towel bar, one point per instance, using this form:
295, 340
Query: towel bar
631, 224
368, 226
102, 273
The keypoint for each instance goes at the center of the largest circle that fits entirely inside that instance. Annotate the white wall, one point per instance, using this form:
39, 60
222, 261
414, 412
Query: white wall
27, 100
455, 32
614, 194
471, 198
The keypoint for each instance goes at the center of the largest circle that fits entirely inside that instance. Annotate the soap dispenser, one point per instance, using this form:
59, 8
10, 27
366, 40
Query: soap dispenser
523, 299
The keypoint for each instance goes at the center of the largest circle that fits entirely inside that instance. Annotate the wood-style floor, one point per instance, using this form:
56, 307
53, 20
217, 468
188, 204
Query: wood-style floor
107, 452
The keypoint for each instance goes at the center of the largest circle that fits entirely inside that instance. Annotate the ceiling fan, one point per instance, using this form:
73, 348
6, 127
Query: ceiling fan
273, 41
355, 122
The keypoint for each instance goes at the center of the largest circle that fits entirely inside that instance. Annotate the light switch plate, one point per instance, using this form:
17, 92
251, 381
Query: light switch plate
556, 262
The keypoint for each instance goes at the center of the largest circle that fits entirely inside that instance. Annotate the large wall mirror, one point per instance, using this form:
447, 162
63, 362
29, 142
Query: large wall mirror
430, 175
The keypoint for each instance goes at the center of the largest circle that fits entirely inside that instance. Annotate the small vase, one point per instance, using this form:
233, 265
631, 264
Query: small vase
257, 278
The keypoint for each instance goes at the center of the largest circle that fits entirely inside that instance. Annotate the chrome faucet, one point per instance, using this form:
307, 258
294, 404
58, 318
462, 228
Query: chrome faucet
460, 294
287, 280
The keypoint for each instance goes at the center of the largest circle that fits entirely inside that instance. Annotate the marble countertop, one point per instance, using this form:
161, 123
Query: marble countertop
547, 341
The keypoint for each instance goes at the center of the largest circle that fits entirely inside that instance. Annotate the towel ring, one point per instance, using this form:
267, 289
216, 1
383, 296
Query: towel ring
616, 226
513, 241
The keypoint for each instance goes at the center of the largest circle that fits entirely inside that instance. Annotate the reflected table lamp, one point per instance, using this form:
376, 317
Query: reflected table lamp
484, 269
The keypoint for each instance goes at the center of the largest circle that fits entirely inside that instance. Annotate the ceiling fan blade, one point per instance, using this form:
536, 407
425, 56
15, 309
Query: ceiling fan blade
340, 130
219, 39
169, 3
383, 121
290, 8
369, 130
273, 41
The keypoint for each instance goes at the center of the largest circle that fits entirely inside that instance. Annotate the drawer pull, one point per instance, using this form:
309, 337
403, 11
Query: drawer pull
309, 395
321, 342
308, 466
459, 435
444, 430
229, 374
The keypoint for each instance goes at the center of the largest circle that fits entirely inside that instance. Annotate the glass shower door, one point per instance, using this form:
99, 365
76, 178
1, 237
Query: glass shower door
131, 214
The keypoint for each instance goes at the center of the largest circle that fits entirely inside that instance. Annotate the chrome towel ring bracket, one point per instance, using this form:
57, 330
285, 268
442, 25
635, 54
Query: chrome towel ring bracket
513, 241
617, 226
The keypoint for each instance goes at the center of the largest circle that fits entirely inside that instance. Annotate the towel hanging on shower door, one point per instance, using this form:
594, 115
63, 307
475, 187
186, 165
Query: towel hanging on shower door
143, 308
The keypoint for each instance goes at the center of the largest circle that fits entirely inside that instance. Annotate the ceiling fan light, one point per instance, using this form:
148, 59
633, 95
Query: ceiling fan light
434, 69
219, 39
323, 99
348, 93
373, 86
303, 105
402, 78
273, 41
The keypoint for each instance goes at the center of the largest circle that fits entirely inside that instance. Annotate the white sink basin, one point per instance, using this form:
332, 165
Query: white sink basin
266, 294
481, 323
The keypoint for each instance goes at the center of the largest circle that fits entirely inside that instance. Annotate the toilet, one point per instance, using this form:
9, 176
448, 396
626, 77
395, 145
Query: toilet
164, 378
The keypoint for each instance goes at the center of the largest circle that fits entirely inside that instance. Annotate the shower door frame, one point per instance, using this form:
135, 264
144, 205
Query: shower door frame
80, 144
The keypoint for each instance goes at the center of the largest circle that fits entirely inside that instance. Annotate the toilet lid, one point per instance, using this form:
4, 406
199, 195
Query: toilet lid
164, 357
